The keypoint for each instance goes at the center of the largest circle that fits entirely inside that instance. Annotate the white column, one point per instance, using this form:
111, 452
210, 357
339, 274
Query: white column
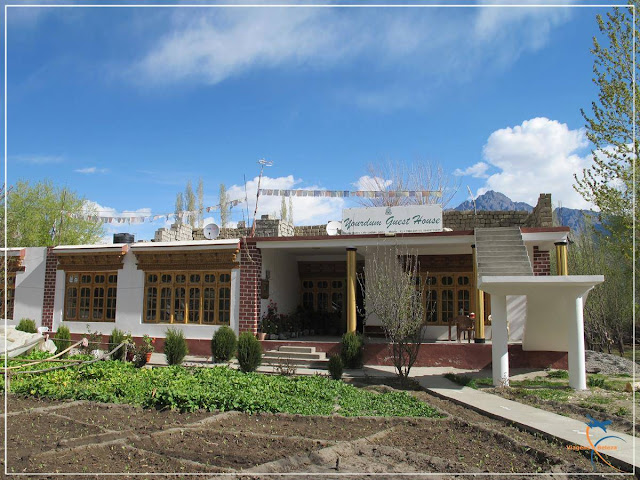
499, 340
577, 369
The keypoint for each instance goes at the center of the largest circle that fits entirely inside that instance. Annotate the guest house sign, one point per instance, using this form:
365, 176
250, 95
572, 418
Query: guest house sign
405, 219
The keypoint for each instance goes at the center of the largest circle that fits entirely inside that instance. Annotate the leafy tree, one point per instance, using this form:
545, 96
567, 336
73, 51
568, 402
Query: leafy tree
608, 183
391, 177
283, 209
179, 208
291, 210
200, 193
390, 293
608, 315
223, 201
190, 200
34, 210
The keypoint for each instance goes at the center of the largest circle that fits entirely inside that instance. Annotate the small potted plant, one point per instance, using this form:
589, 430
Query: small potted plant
143, 351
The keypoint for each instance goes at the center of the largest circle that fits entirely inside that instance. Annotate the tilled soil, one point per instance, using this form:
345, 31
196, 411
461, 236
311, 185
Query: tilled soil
49, 437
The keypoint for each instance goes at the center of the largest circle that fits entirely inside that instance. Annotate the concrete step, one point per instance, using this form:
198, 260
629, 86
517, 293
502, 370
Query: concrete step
485, 235
290, 348
295, 355
497, 229
500, 263
497, 248
296, 362
504, 274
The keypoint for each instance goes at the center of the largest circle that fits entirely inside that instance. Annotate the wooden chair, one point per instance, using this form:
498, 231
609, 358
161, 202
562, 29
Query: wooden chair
464, 324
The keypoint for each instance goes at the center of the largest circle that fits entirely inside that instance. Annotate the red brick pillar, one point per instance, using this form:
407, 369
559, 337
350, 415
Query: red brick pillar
250, 273
541, 262
51, 263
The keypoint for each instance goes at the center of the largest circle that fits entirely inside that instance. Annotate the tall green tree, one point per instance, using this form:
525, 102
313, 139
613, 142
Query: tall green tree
43, 214
223, 204
608, 183
179, 208
190, 200
291, 210
283, 209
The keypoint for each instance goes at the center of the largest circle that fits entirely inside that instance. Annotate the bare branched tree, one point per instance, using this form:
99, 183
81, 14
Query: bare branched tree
390, 293
392, 177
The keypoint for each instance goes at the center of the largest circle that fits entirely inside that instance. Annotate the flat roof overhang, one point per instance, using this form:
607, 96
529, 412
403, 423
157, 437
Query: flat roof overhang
188, 245
461, 239
525, 285
115, 248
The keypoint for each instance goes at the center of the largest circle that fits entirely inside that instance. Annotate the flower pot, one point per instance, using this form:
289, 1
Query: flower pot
148, 357
262, 336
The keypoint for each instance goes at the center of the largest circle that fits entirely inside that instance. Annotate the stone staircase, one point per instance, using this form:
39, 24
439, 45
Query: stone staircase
305, 357
501, 252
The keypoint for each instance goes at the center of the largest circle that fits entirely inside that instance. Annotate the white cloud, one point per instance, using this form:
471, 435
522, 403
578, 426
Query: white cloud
306, 210
539, 156
213, 45
36, 159
367, 182
91, 170
477, 170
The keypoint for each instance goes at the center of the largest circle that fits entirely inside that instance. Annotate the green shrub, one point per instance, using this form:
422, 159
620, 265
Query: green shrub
593, 381
175, 346
249, 352
223, 344
335, 367
352, 350
62, 339
27, 325
558, 374
115, 339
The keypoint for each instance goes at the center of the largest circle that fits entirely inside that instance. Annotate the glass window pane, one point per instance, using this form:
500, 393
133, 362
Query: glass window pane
181, 278
224, 305
225, 277
111, 303
99, 278
165, 278
178, 305
165, 304
72, 303
209, 278
307, 300
194, 278
85, 278
447, 305
152, 278
85, 305
431, 306
463, 302
98, 304
208, 305
323, 302
194, 305
113, 278
152, 298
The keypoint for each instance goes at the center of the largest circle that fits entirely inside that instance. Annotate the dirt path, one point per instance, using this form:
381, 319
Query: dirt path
82, 437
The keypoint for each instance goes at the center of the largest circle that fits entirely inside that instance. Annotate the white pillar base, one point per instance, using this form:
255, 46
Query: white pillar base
576, 353
500, 341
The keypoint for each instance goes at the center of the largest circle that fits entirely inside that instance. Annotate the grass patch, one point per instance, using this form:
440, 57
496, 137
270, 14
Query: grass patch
218, 388
554, 394
463, 380
558, 374
596, 381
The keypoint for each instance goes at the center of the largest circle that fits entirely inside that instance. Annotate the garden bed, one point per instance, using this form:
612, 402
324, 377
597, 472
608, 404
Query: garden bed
208, 442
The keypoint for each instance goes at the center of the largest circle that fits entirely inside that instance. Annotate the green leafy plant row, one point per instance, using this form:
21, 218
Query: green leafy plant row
218, 388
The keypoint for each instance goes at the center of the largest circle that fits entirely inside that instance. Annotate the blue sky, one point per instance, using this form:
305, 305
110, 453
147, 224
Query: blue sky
125, 105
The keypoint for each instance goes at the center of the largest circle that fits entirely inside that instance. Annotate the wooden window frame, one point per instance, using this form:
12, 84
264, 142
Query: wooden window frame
106, 285
187, 285
11, 298
455, 287
330, 291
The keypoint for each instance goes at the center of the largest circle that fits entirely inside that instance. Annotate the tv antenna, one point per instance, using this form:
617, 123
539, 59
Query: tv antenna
263, 163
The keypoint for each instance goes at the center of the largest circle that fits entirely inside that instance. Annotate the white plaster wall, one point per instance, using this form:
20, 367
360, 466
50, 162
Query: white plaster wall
547, 326
516, 316
30, 287
284, 280
129, 307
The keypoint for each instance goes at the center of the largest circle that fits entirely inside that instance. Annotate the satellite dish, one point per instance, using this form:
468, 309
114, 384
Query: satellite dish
333, 228
211, 231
